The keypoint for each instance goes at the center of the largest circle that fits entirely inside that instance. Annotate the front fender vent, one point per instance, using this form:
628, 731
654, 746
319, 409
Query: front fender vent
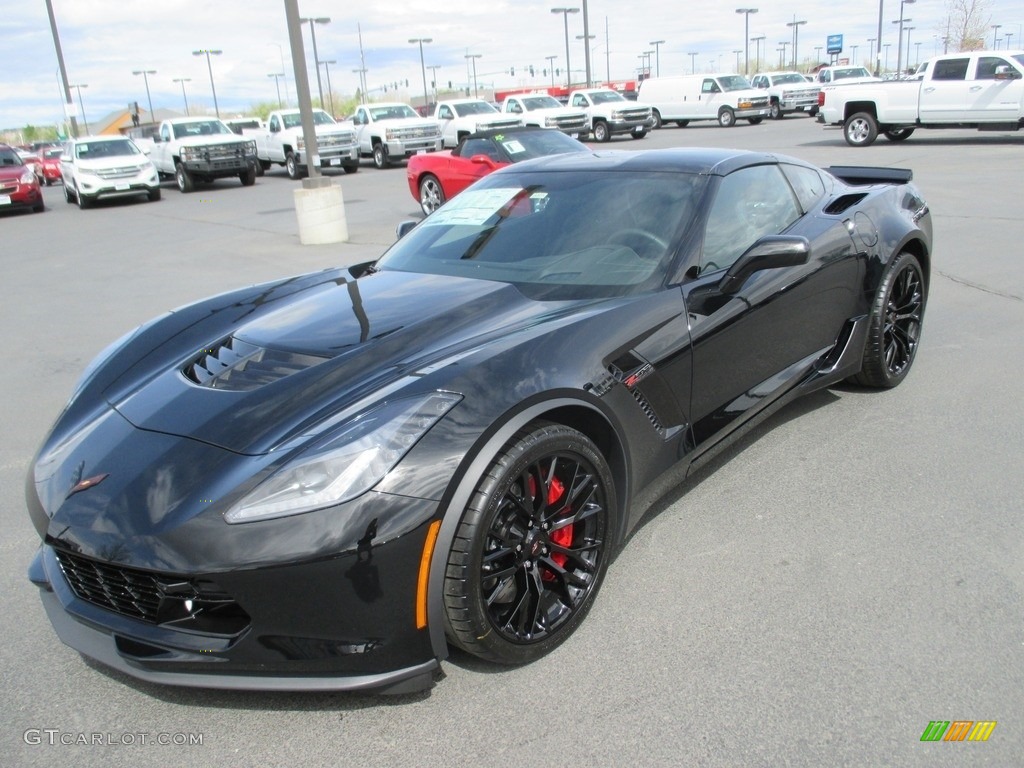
238, 366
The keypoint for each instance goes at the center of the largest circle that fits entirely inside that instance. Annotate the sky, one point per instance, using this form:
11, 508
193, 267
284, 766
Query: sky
105, 41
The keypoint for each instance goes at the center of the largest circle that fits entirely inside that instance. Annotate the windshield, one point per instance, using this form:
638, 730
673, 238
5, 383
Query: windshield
604, 97
789, 78
734, 83
540, 102
90, 150
9, 157
294, 119
564, 235
844, 74
200, 128
394, 112
474, 108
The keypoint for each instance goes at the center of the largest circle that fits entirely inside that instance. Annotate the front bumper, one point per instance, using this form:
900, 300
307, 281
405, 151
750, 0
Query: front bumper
218, 168
798, 102
333, 157
97, 187
627, 126
407, 148
755, 112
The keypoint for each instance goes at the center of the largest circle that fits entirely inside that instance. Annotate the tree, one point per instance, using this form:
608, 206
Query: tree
967, 23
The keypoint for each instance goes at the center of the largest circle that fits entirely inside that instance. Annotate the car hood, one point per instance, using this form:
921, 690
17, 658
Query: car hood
12, 172
291, 367
118, 161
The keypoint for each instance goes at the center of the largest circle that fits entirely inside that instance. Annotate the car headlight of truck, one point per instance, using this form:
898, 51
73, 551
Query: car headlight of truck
349, 462
300, 143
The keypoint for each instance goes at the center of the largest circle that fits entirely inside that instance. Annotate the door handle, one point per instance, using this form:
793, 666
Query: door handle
975, 88
929, 89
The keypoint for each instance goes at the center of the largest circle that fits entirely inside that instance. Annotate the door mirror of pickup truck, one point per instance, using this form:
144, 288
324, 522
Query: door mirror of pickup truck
1006, 72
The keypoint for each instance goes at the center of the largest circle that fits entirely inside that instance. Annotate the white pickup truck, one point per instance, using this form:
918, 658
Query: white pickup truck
609, 113
394, 131
545, 111
973, 89
281, 143
192, 149
460, 117
787, 92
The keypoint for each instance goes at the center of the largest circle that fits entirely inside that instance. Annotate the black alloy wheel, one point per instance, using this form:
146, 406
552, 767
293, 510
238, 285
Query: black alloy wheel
532, 546
894, 333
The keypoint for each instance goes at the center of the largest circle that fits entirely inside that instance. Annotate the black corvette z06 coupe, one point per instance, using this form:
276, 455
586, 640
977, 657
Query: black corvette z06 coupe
324, 481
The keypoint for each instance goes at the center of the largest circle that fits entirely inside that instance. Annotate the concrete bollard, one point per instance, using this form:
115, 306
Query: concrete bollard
320, 208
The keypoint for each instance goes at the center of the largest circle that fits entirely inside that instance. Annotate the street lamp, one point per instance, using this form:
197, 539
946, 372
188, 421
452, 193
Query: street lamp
738, 51
277, 82
871, 48
184, 98
362, 84
551, 67
316, 59
817, 55
433, 77
1007, 37
145, 78
330, 91
995, 38
757, 50
565, 15
746, 37
586, 42
693, 61
80, 104
280, 53
423, 66
796, 39
899, 42
782, 61
474, 57
209, 66
657, 56
908, 31
886, 46
917, 61
854, 54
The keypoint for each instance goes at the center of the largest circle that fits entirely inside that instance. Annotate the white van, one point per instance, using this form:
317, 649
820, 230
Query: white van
725, 98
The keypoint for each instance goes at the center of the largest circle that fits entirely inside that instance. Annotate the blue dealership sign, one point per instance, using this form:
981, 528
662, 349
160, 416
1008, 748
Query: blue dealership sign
835, 44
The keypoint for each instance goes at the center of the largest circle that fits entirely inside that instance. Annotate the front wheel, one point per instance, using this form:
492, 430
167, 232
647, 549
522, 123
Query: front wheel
755, 120
775, 111
657, 119
601, 132
380, 156
291, 165
183, 178
898, 134
639, 133
248, 176
154, 194
726, 117
351, 167
894, 329
68, 197
431, 194
860, 130
532, 546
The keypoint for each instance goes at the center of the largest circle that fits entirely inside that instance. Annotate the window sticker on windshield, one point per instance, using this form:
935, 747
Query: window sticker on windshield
513, 147
472, 207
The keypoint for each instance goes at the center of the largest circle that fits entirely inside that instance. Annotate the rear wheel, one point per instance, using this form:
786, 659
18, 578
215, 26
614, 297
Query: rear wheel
682, 123
532, 547
755, 120
601, 132
860, 130
183, 178
351, 167
431, 194
726, 117
894, 330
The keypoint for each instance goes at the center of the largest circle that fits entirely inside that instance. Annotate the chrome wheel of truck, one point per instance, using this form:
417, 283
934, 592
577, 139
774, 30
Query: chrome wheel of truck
860, 130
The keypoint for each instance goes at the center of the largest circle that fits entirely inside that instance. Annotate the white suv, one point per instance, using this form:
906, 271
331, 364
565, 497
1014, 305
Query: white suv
106, 166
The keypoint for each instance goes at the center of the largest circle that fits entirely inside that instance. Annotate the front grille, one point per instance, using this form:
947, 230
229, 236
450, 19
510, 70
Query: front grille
126, 591
8, 188
570, 123
498, 124
424, 132
239, 366
346, 139
759, 102
118, 173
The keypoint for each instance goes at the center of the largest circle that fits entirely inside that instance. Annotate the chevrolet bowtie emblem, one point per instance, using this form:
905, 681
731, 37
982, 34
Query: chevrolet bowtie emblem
87, 483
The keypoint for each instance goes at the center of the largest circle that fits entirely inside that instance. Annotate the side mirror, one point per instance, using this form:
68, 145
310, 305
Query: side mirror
483, 160
157, 138
405, 228
1006, 72
770, 252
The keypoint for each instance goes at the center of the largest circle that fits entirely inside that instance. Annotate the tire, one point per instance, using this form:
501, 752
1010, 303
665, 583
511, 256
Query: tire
860, 130
84, 201
431, 194
657, 119
261, 168
380, 156
601, 132
154, 195
292, 166
726, 117
639, 133
351, 167
682, 123
39, 207
183, 179
898, 134
812, 111
49, 181
518, 550
68, 197
894, 329
775, 111
248, 176
755, 120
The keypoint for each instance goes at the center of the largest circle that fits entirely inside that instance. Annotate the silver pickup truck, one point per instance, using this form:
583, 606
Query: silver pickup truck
394, 131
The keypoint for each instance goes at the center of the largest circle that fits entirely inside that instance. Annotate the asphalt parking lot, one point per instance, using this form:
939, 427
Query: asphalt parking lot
851, 571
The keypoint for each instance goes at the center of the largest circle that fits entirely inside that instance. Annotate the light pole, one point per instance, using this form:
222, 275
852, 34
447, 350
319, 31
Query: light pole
899, 42
757, 50
433, 77
184, 98
145, 78
908, 31
854, 54
917, 61
565, 15
586, 34
738, 52
81, 105
280, 52
330, 91
316, 59
693, 62
782, 61
817, 55
796, 40
886, 46
657, 56
277, 82
995, 36
423, 66
586, 42
209, 66
551, 68
871, 49
474, 57
746, 37
1007, 37
362, 88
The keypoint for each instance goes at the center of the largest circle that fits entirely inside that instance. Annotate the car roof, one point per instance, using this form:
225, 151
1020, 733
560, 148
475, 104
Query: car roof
680, 160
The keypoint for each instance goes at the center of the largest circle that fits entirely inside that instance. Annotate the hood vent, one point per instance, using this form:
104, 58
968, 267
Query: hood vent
238, 366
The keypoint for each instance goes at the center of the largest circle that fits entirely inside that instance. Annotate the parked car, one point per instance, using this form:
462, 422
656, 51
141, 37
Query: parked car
51, 165
324, 481
436, 177
33, 161
19, 185
787, 92
96, 167
685, 98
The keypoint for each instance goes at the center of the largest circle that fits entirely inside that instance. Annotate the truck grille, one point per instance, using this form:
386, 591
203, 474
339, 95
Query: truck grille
638, 114
759, 101
500, 123
346, 139
571, 123
423, 132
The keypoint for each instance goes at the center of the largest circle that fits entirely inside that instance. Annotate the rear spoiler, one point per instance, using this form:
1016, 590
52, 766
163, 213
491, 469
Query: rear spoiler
865, 174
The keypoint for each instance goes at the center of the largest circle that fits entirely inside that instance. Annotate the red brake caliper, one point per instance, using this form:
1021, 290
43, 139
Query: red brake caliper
563, 536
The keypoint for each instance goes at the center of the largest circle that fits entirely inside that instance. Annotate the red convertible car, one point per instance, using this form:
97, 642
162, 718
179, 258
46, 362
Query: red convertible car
51, 165
438, 176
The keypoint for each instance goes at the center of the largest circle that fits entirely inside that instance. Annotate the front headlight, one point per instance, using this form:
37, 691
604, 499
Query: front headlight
348, 463
391, 134
250, 147
300, 143
28, 176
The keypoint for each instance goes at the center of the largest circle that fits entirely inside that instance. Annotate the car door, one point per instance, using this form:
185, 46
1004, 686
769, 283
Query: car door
751, 346
993, 99
945, 97
446, 117
710, 97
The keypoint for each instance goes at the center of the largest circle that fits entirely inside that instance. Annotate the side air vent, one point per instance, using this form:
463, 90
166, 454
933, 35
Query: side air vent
645, 406
843, 203
238, 366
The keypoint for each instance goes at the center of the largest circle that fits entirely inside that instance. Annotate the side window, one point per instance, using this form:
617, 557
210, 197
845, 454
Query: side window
478, 147
165, 133
749, 204
951, 69
709, 86
577, 100
987, 67
807, 184
445, 113
513, 106
275, 124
